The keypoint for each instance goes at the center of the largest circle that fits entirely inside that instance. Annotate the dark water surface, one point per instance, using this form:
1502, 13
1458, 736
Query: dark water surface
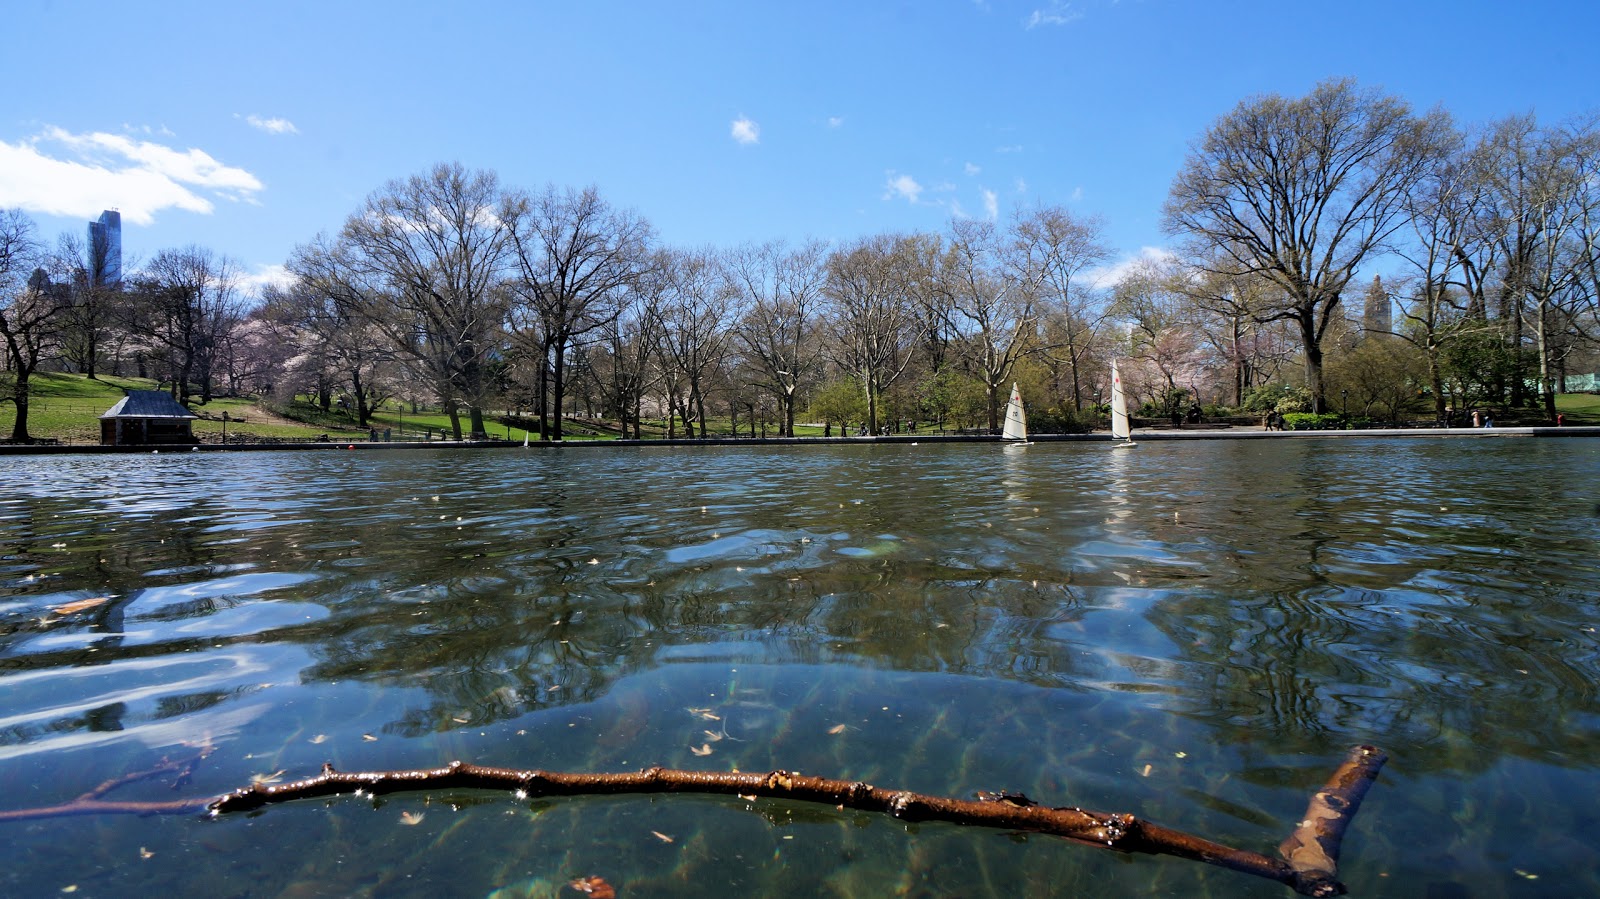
1195, 632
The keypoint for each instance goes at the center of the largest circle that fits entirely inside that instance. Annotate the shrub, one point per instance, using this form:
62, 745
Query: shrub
1307, 421
1276, 398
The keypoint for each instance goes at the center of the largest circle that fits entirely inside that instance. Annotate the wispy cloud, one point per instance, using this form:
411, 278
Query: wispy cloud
60, 173
1057, 13
1107, 276
991, 204
271, 126
836, 121
902, 187
255, 282
745, 131
971, 169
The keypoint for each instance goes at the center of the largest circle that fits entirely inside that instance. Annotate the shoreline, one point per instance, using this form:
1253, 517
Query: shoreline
1145, 436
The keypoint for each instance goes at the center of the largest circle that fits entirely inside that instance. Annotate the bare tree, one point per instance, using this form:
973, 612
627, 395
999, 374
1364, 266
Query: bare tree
29, 311
90, 316
1302, 191
696, 333
631, 341
185, 301
871, 317
428, 256
1057, 248
993, 303
781, 290
576, 259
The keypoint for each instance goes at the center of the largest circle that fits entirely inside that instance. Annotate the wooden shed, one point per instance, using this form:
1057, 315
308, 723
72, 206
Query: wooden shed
147, 418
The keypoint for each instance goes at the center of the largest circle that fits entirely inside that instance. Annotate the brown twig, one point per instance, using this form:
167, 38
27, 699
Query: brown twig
1309, 865
1310, 854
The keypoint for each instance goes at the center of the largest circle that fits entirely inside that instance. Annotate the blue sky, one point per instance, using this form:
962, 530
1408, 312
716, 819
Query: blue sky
250, 127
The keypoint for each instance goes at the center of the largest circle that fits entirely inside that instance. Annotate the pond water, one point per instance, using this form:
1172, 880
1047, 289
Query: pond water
1193, 632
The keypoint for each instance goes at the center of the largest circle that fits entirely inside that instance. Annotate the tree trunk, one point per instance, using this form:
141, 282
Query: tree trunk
1313, 354
19, 398
558, 386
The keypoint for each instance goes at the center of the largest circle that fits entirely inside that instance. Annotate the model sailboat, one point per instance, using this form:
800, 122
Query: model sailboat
1121, 427
1016, 428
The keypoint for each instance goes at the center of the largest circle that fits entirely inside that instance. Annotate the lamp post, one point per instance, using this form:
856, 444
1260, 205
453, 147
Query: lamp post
224, 427
1097, 409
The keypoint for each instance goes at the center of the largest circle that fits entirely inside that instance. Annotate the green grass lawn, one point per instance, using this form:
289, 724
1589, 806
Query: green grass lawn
1579, 408
67, 407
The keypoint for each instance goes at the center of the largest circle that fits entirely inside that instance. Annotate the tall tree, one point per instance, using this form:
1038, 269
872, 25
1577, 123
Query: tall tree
631, 341
90, 317
994, 303
186, 300
1057, 248
1302, 191
29, 307
781, 292
871, 316
430, 252
696, 333
576, 259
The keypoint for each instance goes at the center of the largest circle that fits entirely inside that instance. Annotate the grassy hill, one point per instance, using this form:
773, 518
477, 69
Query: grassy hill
67, 407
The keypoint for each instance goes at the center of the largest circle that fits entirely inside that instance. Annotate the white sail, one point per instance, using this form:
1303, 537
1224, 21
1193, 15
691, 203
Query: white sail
1120, 427
1016, 420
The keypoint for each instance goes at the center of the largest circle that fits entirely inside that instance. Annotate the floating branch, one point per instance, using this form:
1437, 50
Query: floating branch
1310, 854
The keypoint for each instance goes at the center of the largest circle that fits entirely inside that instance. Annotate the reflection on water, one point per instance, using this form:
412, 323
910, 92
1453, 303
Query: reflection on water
1194, 632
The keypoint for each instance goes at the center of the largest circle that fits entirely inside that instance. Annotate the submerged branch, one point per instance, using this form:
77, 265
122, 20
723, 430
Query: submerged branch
1309, 865
91, 803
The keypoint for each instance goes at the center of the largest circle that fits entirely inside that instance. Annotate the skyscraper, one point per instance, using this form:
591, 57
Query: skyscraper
105, 249
1377, 312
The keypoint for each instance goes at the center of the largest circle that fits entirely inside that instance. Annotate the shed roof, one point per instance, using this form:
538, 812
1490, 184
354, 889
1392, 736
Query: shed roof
148, 404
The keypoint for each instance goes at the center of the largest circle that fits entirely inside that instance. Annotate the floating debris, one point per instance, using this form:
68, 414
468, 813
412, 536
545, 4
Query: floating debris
411, 819
595, 886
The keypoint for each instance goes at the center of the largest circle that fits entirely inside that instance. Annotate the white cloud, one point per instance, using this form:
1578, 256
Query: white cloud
1057, 13
746, 131
1022, 186
256, 281
272, 125
1076, 195
902, 187
836, 121
60, 173
972, 169
1111, 275
991, 204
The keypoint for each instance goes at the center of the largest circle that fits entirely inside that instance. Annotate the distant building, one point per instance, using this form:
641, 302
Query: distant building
146, 418
105, 249
1377, 313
